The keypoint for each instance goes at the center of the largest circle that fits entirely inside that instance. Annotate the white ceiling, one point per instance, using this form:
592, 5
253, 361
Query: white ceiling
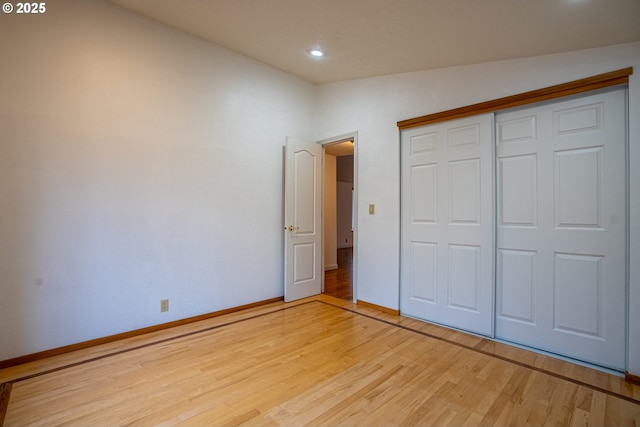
366, 38
339, 149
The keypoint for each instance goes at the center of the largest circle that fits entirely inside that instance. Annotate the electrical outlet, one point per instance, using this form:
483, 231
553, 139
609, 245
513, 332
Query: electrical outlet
164, 305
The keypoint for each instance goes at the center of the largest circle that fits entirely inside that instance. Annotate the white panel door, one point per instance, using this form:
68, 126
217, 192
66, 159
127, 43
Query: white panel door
302, 226
561, 228
447, 224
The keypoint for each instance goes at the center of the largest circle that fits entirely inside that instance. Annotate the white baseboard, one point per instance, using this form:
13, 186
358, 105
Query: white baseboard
331, 267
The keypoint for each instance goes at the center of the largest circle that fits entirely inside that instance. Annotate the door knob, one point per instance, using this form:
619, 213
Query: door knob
292, 228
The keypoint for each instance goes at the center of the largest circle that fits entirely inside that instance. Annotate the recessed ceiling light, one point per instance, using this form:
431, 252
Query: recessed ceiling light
316, 52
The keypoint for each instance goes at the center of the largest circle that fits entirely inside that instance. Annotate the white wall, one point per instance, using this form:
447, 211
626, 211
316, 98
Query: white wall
373, 106
344, 174
344, 201
122, 150
330, 214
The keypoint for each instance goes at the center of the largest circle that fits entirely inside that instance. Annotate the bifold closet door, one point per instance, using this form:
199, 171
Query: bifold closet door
561, 227
447, 227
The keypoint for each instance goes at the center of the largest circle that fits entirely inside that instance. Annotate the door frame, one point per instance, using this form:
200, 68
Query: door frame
351, 136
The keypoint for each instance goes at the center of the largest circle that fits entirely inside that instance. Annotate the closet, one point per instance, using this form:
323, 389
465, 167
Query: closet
514, 224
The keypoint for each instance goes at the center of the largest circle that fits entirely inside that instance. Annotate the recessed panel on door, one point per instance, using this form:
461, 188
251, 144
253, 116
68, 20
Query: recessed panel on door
305, 192
464, 287
578, 197
423, 271
578, 283
518, 270
303, 255
465, 181
424, 187
518, 191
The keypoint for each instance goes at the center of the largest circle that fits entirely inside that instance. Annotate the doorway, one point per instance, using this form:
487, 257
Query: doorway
339, 218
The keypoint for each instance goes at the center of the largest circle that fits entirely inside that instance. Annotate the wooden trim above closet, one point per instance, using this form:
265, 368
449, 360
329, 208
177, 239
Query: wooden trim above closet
600, 81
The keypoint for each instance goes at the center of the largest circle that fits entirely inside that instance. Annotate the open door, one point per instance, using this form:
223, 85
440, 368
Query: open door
302, 219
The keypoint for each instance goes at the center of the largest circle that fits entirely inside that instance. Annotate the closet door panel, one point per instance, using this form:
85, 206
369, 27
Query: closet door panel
447, 229
561, 240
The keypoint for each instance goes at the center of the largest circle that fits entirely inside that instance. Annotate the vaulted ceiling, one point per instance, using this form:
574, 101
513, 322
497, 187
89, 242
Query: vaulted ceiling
365, 38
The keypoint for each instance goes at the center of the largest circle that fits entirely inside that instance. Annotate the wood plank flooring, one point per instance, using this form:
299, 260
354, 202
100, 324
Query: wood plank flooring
320, 361
339, 283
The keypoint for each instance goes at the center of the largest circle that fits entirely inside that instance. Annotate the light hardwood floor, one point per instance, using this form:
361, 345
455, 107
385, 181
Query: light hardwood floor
338, 283
320, 361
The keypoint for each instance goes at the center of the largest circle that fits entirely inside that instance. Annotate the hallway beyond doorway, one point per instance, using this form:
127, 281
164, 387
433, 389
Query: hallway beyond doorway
338, 283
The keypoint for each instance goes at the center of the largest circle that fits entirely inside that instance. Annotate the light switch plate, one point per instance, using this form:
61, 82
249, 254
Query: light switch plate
372, 209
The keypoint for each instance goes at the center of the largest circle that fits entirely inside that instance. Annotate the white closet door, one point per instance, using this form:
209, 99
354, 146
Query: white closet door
561, 238
447, 226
